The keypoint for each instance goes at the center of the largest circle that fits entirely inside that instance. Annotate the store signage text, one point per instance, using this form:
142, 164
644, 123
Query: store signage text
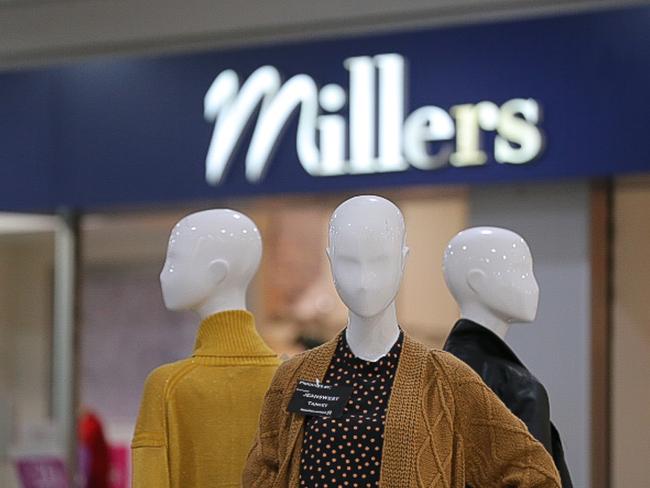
376, 136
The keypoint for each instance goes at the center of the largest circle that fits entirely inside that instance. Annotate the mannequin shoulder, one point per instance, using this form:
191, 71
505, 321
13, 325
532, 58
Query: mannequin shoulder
161, 379
468, 352
154, 398
453, 369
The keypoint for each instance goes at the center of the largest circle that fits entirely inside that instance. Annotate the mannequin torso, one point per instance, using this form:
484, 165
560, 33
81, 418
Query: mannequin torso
367, 253
489, 271
198, 415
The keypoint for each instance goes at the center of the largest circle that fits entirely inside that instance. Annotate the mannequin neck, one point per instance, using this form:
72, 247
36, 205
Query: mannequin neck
486, 318
371, 338
221, 301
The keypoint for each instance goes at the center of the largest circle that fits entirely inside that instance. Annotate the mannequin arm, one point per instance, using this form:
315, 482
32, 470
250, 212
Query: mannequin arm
149, 447
498, 449
532, 407
149, 458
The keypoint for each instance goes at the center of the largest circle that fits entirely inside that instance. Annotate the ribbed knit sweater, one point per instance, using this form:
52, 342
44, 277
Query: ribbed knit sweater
444, 428
198, 416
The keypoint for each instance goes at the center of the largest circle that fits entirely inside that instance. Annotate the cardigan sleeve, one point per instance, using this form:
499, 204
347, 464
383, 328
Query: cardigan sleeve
149, 455
498, 450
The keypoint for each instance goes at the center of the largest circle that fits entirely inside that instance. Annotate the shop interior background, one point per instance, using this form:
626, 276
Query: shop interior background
293, 299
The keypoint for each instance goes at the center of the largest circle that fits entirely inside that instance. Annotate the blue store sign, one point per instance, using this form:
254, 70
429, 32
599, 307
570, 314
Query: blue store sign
537, 100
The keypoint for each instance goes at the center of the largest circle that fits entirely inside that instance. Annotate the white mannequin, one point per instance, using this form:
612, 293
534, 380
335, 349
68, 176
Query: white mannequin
489, 271
211, 258
367, 252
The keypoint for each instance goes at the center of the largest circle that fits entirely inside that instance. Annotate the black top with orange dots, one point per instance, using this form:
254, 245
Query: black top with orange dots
346, 451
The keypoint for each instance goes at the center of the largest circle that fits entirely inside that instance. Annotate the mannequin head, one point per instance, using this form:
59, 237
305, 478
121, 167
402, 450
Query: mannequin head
211, 258
489, 271
367, 252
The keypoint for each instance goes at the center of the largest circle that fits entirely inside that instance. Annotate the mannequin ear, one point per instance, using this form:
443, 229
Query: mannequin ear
475, 280
218, 270
405, 254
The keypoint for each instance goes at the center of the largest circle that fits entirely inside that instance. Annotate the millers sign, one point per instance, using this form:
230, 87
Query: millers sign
375, 137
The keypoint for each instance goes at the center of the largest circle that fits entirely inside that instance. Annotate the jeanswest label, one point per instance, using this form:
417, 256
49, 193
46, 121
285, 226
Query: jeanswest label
375, 137
319, 399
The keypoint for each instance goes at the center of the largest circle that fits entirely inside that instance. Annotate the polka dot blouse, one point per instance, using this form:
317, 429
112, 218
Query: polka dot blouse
347, 451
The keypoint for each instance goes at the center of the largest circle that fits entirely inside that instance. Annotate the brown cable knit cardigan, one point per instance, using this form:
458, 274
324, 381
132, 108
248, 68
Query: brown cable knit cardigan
444, 428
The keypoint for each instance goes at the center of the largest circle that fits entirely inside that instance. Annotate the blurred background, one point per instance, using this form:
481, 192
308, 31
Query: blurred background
103, 142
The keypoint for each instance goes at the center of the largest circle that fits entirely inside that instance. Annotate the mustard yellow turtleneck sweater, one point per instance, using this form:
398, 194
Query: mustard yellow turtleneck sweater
198, 416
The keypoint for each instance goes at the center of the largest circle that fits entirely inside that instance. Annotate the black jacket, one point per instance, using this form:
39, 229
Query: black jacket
506, 375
